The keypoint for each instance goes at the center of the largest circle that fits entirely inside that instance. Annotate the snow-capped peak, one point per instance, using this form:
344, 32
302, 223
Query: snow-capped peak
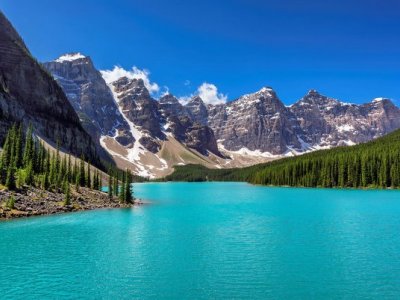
265, 89
70, 57
379, 99
313, 92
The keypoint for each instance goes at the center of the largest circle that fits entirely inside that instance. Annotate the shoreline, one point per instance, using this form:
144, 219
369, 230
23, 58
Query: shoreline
30, 202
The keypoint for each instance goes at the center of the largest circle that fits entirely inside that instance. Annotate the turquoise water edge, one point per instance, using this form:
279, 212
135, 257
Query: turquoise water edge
211, 241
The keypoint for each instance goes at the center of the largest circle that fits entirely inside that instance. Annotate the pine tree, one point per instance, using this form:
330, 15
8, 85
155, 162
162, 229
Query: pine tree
82, 172
128, 186
69, 169
116, 183
28, 150
67, 197
99, 181
18, 147
45, 184
10, 181
110, 186
122, 190
88, 177
29, 174
77, 182
5, 158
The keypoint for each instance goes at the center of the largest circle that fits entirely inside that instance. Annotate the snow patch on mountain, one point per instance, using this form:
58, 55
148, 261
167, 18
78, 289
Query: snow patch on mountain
70, 57
345, 128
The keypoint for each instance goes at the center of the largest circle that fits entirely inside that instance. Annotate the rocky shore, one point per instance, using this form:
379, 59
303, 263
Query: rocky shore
31, 201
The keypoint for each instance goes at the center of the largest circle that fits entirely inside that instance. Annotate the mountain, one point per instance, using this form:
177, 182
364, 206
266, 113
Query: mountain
151, 136
375, 164
327, 122
141, 133
90, 96
258, 121
197, 110
29, 94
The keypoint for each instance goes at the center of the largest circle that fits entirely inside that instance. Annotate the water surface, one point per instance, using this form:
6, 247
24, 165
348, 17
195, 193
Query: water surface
211, 240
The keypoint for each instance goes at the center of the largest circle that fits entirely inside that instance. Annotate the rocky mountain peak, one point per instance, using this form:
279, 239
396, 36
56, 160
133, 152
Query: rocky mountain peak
170, 106
71, 57
28, 94
134, 87
195, 101
169, 99
313, 92
197, 110
317, 100
266, 91
385, 102
89, 94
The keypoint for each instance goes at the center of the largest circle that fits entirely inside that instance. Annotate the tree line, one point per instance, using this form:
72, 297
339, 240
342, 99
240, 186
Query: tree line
25, 160
375, 164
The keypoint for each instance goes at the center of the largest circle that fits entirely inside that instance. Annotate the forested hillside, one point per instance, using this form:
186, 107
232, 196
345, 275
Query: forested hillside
25, 161
373, 164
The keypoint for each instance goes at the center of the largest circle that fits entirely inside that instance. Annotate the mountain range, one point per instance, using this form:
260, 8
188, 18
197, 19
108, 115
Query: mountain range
70, 102
152, 135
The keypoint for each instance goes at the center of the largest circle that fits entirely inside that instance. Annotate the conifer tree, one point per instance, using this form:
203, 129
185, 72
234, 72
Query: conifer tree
88, 176
18, 147
82, 172
29, 174
69, 168
122, 190
128, 187
10, 181
110, 186
5, 158
28, 150
116, 184
67, 197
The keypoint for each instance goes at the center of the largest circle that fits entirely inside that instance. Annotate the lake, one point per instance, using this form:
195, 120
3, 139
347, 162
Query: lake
211, 241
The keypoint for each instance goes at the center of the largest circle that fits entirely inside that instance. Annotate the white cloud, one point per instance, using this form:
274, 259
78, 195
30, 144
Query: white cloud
187, 83
209, 93
164, 92
136, 73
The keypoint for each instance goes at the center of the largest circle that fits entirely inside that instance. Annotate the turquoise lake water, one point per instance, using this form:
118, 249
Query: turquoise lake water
211, 241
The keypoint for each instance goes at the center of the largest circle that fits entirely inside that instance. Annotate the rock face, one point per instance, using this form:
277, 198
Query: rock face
197, 110
256, 121
193, 135
185, 127
90, 96
29, 94
327, 122
170, 106
140, 109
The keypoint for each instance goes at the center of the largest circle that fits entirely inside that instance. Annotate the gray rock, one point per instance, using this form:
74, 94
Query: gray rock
329, 122
29, 94
258, 121
90, 96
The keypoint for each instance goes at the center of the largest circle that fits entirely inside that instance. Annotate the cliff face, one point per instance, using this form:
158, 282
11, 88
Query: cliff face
258, 121
29, 94
90, 96
327, 122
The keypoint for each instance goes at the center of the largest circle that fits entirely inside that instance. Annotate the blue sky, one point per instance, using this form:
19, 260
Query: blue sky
345, 49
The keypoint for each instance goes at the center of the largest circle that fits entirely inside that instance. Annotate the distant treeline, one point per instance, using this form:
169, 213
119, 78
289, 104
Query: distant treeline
373, 164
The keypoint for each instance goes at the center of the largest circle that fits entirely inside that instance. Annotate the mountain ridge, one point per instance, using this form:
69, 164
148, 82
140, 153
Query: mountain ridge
253, 128
29, 95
